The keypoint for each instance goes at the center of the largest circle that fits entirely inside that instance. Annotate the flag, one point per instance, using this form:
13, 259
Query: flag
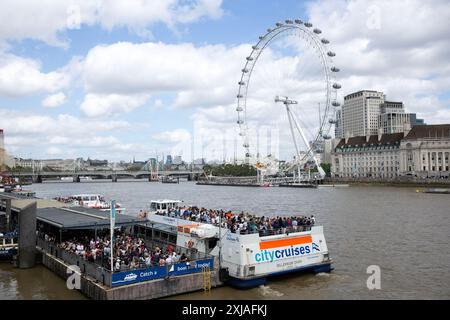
112, 223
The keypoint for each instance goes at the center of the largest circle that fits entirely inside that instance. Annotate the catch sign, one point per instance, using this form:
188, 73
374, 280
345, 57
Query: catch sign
178, 269
132, 276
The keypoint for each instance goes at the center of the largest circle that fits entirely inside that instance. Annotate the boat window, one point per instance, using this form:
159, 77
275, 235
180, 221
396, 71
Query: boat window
163, 206
153, 206
212, 243
85, 198
93, 198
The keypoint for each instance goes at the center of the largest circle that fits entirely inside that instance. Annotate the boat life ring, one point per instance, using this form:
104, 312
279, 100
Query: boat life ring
190, 244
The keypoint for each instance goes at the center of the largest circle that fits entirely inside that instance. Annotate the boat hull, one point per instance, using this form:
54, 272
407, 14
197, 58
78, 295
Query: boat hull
258, 281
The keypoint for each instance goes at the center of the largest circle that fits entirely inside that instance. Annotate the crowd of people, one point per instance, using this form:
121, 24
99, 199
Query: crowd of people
243, 223
129, 252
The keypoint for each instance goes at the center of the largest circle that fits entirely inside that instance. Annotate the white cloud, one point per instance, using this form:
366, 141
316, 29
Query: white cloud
22, 76
104, 105
47, 20
64, 135
175, 136
398, 47
54, 100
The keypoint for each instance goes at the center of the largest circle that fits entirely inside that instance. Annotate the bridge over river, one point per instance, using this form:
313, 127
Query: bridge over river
114, 175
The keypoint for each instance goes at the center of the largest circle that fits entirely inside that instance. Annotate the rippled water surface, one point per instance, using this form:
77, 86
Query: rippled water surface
403, 232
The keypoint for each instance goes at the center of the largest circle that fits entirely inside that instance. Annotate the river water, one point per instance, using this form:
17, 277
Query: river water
403, 232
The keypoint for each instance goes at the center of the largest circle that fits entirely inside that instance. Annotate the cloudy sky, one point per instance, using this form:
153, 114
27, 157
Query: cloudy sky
122, 79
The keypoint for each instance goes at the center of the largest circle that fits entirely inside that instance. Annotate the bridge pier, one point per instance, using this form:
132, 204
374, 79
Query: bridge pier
37, 179
114, 178
76, 178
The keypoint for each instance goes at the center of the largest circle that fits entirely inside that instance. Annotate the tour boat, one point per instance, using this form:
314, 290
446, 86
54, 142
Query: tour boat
95, 201
249, 258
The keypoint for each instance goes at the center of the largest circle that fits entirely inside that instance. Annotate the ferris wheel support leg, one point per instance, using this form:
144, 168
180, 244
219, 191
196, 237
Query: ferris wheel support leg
319, 168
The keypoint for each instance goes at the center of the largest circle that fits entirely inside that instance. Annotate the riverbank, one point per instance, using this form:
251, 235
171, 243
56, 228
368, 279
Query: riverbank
403, 184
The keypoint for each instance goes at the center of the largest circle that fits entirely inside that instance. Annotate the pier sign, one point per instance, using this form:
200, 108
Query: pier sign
133, 276
190, 267
178, 269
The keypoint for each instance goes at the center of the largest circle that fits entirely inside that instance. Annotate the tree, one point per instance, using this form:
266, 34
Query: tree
230, 170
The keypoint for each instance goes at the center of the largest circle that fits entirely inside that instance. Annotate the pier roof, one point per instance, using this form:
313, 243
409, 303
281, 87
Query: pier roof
83, 218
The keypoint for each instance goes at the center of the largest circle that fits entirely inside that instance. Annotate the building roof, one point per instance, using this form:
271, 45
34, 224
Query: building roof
82, 218
429, 131
386, 139
18, 201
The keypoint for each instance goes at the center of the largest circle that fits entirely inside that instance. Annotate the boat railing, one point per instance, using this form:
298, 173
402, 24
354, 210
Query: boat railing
262, 233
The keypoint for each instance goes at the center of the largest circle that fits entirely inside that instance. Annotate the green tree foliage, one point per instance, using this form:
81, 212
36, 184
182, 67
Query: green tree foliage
230, 170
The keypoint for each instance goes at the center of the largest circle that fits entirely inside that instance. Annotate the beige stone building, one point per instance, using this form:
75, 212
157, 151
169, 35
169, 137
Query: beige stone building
425, 151
422, 151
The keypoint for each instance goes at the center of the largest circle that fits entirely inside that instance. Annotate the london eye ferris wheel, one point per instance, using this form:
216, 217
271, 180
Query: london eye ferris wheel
290, 67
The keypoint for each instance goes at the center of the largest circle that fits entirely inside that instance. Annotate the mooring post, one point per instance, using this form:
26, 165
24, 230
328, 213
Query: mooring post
8, 214
27, 236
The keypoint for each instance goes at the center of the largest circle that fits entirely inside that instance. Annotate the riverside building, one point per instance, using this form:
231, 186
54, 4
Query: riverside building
422, 151
366, 111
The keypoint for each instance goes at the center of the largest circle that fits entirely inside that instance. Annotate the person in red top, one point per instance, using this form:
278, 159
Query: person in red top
170, 248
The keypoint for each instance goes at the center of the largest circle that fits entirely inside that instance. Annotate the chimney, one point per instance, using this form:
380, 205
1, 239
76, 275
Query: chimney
380, 134
346, 136
406, 128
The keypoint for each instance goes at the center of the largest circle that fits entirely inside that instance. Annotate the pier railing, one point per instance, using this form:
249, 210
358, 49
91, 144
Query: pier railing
99, 269
92, 269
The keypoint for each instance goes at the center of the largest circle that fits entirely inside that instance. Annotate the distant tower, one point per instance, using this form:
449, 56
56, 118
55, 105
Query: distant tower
257, 144
269, 142
224, 150
2, 149
235, 150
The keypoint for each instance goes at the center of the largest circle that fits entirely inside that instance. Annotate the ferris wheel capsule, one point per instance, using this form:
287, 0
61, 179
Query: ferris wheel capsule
239, 109
308, 24
331, 54
335, 103
325, 41
336, 86
240, 121
317, 31
298, 21
279, 24
288, 21
334, 69
241, 83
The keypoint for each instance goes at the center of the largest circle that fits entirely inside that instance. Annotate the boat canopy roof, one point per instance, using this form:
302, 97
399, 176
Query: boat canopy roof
166, 201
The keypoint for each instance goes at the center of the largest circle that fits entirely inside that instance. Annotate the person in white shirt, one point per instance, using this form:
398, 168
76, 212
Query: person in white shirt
148, 261
118, 265
294, 224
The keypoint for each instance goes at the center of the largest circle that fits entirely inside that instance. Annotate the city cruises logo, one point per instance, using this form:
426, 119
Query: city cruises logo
285, 248
130, 277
